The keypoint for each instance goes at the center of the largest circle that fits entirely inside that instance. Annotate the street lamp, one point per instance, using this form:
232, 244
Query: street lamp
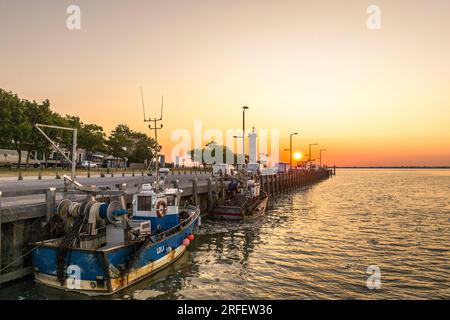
290, 148
243, 131
320, 155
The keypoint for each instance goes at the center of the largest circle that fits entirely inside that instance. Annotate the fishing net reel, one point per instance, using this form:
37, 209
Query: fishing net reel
100, 213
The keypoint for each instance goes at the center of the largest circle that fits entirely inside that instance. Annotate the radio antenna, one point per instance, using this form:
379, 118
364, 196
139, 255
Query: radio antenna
143, 106
162, 106
154, 126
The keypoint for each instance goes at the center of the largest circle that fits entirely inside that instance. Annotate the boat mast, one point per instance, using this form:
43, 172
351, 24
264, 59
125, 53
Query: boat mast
155, 127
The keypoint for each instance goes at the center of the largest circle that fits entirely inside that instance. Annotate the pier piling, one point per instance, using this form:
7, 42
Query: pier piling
210, 195
195, 191
273, 185
50, 201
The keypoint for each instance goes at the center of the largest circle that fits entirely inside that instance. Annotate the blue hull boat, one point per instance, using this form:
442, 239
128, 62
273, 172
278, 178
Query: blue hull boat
105, 261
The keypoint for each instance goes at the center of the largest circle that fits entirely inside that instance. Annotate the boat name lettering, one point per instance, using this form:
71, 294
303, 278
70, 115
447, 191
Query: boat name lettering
159, 249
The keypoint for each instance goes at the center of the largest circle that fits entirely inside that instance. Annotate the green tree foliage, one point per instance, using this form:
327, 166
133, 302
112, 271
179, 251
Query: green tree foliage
17, 131
39, 113
209, 151
143, 149
119, 142
92, 138
124, 143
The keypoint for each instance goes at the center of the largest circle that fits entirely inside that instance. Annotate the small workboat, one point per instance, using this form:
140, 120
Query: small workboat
243, 200
107, 247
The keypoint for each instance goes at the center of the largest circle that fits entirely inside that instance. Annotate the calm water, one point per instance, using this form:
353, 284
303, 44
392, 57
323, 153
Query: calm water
315, 244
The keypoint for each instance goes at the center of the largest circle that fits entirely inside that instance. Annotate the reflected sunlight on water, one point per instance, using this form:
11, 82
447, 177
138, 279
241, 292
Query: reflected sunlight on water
315, 244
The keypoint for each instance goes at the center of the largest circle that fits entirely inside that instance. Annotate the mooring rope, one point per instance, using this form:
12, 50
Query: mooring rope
18, 258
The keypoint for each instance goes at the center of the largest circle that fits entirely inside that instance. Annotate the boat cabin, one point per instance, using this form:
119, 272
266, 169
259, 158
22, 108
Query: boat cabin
254, 188
160, 208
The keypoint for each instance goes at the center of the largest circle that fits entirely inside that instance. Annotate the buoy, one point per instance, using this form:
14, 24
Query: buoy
186, 242
169, 249
190, 237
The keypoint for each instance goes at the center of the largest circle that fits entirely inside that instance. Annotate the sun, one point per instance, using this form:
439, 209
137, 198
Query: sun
297, 156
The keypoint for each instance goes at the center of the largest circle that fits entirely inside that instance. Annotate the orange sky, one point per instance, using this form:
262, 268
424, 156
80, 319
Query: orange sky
369, 97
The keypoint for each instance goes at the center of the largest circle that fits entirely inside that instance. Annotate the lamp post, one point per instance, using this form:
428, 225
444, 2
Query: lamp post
290, 148
243, 131
320, 156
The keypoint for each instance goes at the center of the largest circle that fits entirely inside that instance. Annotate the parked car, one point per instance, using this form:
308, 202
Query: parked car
86, 164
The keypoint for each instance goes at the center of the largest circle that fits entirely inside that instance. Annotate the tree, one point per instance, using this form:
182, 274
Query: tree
8, 102
15, 127
18, 118
39, 113
209, 151
92, 139
119, 142
136, 146
143, 149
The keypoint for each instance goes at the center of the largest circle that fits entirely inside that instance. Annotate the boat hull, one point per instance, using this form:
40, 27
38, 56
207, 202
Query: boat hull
259, 209
97, 272
236, 213
112, 285
228, 213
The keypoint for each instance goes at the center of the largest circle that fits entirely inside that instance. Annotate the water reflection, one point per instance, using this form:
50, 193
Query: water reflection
316, 243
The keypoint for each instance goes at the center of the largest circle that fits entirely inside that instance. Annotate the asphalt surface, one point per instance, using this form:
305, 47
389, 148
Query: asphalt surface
8, 185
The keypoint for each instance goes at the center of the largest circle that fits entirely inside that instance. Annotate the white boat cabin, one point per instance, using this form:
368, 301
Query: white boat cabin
161, 208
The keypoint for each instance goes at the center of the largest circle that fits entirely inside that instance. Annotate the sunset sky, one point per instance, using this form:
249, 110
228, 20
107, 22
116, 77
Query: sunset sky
370, 97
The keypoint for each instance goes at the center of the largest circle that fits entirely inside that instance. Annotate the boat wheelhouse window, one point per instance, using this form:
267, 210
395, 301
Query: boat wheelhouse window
144, 203
171, 201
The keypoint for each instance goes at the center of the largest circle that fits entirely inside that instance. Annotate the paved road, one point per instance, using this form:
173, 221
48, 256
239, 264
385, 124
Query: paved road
9, 185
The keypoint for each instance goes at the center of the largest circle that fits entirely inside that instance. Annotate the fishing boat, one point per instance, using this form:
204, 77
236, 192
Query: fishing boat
107, 247
243, 200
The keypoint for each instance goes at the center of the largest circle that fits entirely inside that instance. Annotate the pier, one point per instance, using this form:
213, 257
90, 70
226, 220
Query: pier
25, 211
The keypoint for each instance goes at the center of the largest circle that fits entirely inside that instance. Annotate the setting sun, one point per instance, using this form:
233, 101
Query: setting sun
297, 156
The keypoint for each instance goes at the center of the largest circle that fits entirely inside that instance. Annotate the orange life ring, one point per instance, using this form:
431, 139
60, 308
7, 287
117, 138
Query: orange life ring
161, 209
